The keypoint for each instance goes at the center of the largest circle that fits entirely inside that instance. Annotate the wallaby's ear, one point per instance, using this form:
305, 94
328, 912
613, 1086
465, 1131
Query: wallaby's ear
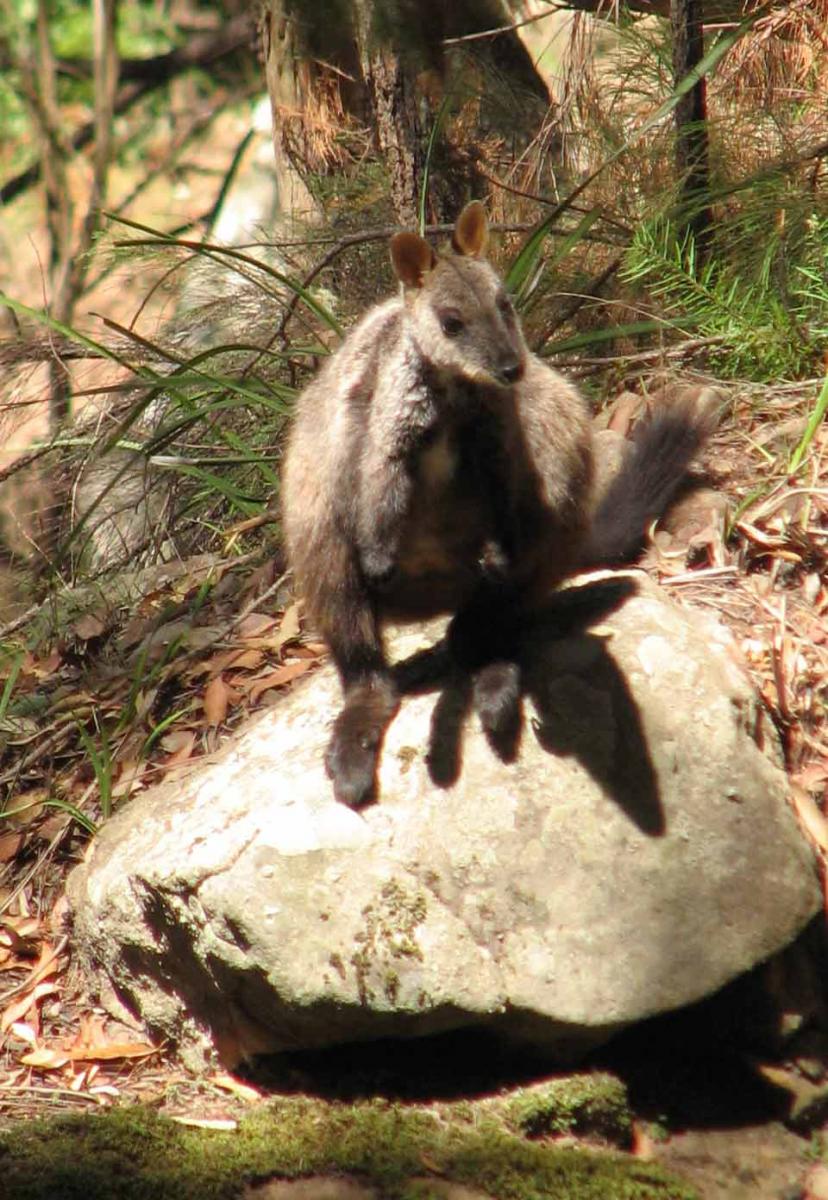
412, 258
471, 230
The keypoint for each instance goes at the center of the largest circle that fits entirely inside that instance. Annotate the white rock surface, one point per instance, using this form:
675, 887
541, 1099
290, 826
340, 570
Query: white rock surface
637, 855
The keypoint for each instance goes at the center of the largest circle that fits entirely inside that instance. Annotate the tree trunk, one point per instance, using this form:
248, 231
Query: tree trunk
388, 68
692, 150
282, 71
392, 96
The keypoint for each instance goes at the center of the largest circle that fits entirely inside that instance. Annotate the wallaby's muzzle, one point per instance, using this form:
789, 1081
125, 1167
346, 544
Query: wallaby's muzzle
511, 372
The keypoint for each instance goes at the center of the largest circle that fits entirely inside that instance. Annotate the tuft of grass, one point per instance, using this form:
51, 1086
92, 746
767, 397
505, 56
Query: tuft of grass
761, 292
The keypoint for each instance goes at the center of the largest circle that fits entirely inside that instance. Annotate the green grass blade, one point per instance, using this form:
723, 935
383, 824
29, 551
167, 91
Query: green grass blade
222, 254
75, 813
432, 141
11, 680
523, 273
101, 761
817, 416
597, 336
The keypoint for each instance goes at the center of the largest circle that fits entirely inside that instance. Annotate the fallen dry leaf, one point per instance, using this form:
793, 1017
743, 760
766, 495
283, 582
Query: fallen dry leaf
130, 775
91, 625
255, 624
49, 963
179, 744
216, 701
106, 1052
278, 677
243, 659
45, 1059
230, 1084
92, 1029
43, 668
47, 988
10, 843
624, 410
290, 621
177, 739
288, 631
23, 924
15, 1012
309, 650
24, 1031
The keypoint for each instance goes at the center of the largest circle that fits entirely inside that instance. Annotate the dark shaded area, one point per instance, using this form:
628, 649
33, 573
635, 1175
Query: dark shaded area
692, 153
694, 1068
448, 1066
585, 709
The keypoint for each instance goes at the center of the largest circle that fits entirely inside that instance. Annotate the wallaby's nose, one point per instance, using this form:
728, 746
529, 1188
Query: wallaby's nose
512, 371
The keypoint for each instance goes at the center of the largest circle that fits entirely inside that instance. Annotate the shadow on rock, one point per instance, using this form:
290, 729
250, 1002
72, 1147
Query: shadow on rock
584, 708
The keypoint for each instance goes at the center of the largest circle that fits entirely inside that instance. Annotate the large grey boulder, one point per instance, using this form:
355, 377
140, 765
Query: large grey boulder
636, 854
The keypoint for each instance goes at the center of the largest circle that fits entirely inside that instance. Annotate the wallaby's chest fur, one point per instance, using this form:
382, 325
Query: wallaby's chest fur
452, 514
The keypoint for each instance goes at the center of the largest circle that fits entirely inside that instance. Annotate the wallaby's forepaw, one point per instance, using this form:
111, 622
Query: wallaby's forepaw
353, 751
497, 701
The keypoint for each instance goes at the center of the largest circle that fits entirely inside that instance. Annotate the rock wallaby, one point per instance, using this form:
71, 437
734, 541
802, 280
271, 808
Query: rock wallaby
436, 465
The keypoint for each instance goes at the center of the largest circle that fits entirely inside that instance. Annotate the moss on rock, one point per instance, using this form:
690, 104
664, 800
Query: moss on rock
136, 1154
590, 1105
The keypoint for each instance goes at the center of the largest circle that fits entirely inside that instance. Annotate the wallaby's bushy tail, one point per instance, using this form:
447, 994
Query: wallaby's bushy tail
649, 478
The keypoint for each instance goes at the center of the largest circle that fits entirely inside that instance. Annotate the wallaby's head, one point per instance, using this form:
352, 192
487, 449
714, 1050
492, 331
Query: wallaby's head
457, 307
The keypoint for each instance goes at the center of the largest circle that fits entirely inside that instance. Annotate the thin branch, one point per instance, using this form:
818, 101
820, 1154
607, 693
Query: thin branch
501, 29
59, 206
588, 293
583, 366
71, 282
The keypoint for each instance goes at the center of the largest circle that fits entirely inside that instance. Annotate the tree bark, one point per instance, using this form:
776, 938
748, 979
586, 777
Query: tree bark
387, 68
392, 96
282, 70
692, 147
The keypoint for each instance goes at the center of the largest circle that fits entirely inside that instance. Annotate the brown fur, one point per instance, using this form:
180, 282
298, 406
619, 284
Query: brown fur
434, 465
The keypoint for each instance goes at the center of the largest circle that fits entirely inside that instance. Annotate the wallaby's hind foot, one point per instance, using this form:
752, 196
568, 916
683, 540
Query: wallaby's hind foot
358, 732
497, 701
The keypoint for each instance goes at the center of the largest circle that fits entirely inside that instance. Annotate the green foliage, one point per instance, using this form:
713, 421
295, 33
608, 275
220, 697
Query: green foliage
761, 292
204, 405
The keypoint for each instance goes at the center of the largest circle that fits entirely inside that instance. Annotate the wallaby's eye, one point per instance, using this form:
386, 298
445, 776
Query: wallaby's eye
451, 323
